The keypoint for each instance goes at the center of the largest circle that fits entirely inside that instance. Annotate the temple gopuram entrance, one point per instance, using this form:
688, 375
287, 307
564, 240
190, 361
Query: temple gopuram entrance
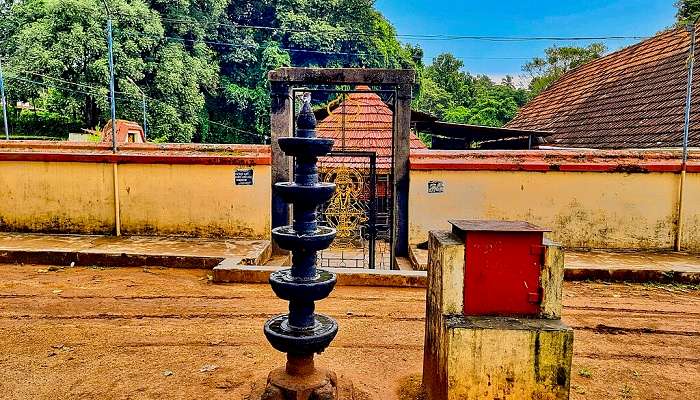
367, 114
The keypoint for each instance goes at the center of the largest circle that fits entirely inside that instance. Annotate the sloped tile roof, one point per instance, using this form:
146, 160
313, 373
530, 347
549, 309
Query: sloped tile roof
632, 98
363, 122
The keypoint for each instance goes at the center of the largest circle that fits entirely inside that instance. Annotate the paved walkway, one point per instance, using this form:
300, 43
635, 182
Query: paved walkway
130, 250
634, 261
621, 266
632, 266
233, 253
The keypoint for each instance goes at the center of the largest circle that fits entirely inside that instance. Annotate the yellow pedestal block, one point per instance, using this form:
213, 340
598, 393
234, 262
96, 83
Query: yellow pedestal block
505, 358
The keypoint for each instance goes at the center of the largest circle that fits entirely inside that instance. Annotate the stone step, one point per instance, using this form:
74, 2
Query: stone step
236, 273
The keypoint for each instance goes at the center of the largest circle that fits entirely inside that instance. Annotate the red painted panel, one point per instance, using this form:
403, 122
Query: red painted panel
502, 274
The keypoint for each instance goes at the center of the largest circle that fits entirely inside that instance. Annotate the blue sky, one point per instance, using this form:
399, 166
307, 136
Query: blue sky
521, 18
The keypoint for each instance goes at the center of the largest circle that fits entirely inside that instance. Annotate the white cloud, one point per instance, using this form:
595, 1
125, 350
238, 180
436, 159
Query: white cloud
520, 80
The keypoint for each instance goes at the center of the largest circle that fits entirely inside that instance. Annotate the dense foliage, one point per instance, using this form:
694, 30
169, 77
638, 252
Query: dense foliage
197, 62
557, 61
456, 96
688, 11
202, 65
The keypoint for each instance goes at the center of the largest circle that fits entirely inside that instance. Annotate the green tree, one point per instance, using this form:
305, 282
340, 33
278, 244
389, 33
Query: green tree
305, 33
203, 65
62, 45
557, 61
687, 11
446, 71
453, 95
433, 98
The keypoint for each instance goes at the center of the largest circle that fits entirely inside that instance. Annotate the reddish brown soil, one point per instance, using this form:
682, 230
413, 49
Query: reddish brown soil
85, 333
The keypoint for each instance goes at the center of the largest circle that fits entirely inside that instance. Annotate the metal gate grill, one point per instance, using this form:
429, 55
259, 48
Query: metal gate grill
361, 208
354, 210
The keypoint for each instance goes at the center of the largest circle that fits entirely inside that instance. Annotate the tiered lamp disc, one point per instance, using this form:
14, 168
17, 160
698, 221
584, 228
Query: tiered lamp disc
301, 333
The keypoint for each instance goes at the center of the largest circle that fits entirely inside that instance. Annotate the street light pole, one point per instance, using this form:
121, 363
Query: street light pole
115, 178
143, 104
686, 129
4, 103
113, 106
111, 84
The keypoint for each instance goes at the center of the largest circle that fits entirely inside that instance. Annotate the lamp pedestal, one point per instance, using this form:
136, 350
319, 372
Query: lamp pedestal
301, 380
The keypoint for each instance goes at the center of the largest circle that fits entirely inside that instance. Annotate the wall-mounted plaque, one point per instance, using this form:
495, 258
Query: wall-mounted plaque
436, 186
244, 177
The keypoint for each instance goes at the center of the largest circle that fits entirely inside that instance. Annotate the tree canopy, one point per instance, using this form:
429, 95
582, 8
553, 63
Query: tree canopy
687, 11
202, 65
453, 95
557, 61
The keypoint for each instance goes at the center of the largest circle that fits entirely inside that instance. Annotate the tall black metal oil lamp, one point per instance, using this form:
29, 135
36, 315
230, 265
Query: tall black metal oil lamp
302, 333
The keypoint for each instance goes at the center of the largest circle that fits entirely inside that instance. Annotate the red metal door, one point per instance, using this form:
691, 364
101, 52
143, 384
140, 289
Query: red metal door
502, 275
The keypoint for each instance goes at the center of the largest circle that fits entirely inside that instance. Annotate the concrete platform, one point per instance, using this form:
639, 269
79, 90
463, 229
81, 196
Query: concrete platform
130, 251
235, 273
500, 358
613, 266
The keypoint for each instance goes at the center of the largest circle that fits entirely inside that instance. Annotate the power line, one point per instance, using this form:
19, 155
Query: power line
524, 38
150, 99
324, 52
16, 78
483, 58
257, 46
62, 80
423, 36
135, 95
238, 130
96, 94
210, 121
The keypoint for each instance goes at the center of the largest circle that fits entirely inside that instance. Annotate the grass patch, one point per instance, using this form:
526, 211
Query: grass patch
626, 391
585, 373
411, 388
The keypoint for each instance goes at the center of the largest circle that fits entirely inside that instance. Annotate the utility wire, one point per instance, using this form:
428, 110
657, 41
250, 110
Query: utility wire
16, 78
345, 53
419, 36
69, 82
238, 130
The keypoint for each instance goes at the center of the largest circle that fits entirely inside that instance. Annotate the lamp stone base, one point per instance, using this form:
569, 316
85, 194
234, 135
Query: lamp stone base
301, 380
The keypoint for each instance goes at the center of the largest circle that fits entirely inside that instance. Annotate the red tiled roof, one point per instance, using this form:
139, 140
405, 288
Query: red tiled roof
632, 98
363, 122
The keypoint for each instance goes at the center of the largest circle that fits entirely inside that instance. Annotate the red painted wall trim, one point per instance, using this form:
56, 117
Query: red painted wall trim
136, 153
137, 158
619, 161
544, 167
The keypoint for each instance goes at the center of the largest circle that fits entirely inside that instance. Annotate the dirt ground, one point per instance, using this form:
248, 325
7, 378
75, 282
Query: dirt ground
132, 333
